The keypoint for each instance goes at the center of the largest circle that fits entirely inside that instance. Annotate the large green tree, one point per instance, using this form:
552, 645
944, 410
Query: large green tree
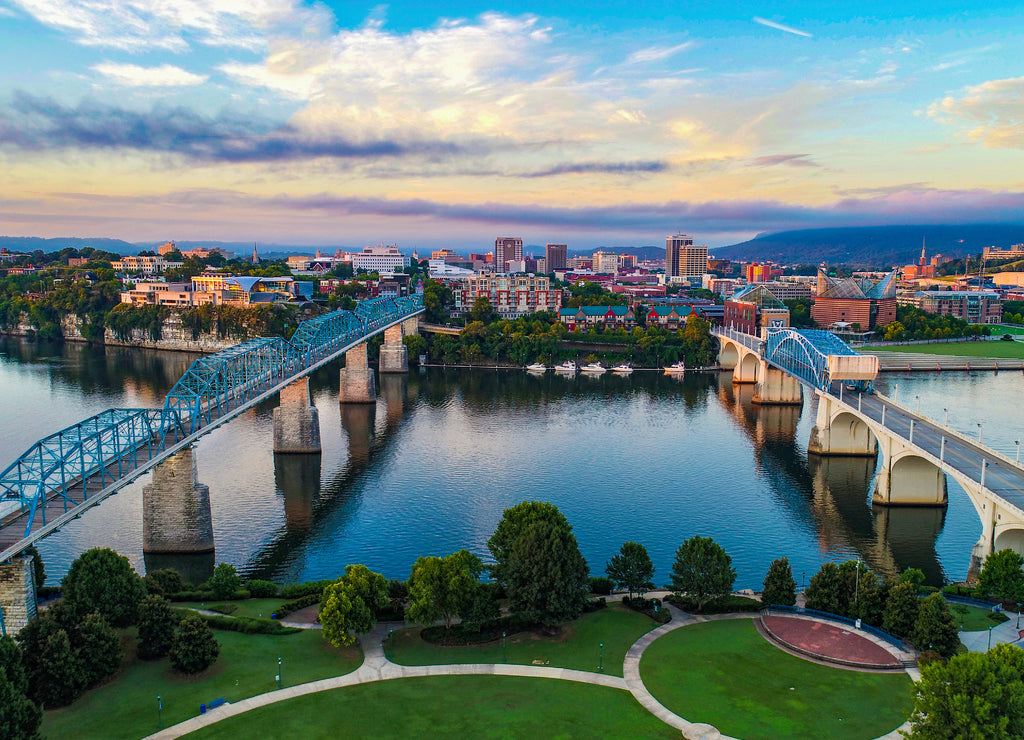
101, 580
157, 623
61, 678
1001, 575
902, 607
99, 648
935, 628
194, 647
350, 604
826, 591
779, 585
975, 696
702, 571
224, 581
514, 522
443, 588
547, 575
19, 716
632, 568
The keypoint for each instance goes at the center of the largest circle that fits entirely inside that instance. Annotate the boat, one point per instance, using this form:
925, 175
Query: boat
624, 369
594, 368
536, 367
676, 368
566, 367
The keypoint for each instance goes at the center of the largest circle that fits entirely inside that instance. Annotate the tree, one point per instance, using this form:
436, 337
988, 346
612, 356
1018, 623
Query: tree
702, 571
157, 623
194, 647
825, 591
632, 568
482, 310
483, 609
870, 600
901, 609
224, 581
436, 300
1001, 575
20, 718
350, 604
914, 576
975, 695
101, 580
514, 522
547, 575
935, 628
779, 585
164, 581
443, 588
99, 649
61, 678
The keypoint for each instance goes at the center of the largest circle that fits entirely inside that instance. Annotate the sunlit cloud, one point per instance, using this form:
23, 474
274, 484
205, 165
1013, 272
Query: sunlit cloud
993, 112
780, 26
132, 75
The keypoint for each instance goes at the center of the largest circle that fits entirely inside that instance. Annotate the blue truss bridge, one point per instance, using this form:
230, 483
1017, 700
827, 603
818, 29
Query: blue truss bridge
60, 476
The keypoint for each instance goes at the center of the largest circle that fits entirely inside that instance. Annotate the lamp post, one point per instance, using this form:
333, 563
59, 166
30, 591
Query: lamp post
159, 713
946, 422
1017, 442
600, 663
918, 399
981, 430
504, 647
278, 671
896, 392
1018, 615
990, 636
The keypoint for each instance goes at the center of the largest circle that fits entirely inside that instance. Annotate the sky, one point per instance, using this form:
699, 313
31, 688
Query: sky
448, 124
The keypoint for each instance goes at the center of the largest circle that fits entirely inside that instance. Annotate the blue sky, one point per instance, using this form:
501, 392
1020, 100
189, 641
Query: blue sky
431, 125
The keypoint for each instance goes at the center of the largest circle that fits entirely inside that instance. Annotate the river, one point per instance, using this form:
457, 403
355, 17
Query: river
430, 469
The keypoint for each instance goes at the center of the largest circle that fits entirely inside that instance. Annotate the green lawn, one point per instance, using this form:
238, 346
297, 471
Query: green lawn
246, 608
726, 674
1007, 329
578, 646
997, 349
126, 707
450, 706
974, 618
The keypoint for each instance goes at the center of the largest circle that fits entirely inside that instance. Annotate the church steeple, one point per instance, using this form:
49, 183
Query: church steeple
255, 255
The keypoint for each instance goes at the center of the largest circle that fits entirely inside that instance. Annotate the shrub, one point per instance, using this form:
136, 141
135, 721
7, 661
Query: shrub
99, 649
157, 623
725, 605
594, 605
194, 647
293, 606
165, 581
199, 595
261, 589
247, 625
601, 585
101, 580
225, 581
307, 588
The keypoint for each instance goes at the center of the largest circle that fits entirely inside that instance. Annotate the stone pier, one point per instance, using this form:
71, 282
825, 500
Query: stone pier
357, 385
777, 388
17, 594
394, 356
296, 421
176, 515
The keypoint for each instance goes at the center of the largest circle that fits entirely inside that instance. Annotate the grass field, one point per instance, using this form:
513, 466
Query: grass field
1007, 329
726, 674
450, 707
577, 647
974, 618
126, 707
997, 349
246, 608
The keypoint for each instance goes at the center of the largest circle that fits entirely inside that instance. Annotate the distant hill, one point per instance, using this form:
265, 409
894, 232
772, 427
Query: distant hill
872, 246
32, 243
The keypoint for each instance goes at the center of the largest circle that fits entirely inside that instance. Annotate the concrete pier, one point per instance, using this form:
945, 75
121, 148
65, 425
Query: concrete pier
296, 421
839, 432
17, 594
776, 388
176, 513
394, 356
357, 383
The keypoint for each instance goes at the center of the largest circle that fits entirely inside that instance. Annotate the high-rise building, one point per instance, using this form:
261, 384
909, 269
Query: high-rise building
606, 262
555, 256
684, 259
506, 248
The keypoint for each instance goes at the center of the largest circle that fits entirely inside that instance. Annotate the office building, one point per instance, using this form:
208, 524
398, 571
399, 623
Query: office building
511, 296
606, 262
380, 259
555, 256
506, 248
684, 259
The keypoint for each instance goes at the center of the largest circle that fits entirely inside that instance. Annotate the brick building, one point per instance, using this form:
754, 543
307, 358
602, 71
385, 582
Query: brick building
586, 317
857, 300
511, 296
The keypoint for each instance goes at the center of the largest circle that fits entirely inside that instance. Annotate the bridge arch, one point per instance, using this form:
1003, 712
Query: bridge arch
747, 369
850, 432
728, 354
1011, 538
909, 479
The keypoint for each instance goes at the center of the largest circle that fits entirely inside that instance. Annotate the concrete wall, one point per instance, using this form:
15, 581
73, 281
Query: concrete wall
17, 593
176, 514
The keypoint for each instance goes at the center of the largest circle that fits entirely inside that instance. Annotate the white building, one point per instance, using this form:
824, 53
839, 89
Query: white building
380, 259
439, 268
606, 263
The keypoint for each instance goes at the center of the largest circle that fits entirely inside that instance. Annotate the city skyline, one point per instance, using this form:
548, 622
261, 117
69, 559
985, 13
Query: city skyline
284, 121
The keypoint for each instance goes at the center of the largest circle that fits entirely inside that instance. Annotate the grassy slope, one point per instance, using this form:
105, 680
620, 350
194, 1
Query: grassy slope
976, 619
451, 706
996, 349
577, 647
126, 707
726, 674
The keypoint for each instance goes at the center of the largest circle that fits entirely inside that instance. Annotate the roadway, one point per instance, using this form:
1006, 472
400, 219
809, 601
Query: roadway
1004, 479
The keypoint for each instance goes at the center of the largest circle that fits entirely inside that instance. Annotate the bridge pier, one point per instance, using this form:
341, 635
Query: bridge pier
907, 479
176, 516
357, 384
775, 387
747, 367
394, 356
296, 421
839, 432
17, 595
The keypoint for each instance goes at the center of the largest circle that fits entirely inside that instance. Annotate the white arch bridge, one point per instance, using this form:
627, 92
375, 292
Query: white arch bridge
853, 420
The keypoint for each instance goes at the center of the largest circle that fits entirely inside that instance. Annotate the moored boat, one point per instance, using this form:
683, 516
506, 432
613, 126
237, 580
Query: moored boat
566, 367
536, 367
594, 368
624, 369
675, 368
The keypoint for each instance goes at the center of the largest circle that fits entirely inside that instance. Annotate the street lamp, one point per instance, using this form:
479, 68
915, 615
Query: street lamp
1017, 442
981, 430
946, 422
1018, 615
159, 713
896, 392
278, 671
600, 664
504, 647
990, 636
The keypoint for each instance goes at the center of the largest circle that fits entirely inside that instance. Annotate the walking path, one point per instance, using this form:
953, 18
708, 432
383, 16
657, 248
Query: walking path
979, 642
377, 667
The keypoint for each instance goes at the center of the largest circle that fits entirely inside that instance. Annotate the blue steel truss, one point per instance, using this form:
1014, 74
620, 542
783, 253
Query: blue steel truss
96, 452
89, 456
804, 353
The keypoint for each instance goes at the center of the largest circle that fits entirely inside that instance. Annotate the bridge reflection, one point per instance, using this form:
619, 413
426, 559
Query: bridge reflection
831, 496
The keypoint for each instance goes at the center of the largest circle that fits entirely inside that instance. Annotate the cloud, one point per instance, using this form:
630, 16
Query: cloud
142, 25
993, 112
132, 75
780, 27
590, 168
790, 160
657, 53
38, 124
7, 12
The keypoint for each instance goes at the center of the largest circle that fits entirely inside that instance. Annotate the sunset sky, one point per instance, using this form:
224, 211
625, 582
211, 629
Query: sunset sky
432, 124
